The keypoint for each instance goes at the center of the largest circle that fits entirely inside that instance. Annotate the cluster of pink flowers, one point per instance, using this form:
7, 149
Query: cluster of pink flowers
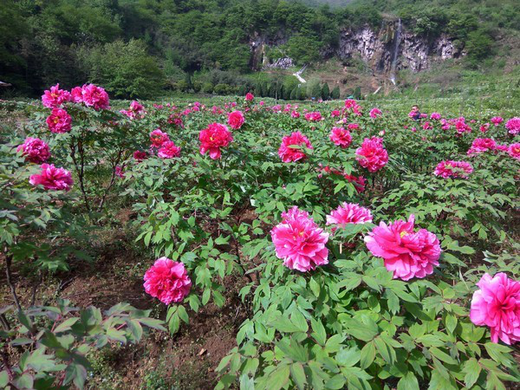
169, 150
249, 97
348, 213
167, 280
497, 120
291, 149
91, 96
158, 137
55, 97
59, 121
353, 126
313, 116
341, 137
236, 120
299, 241
140, 155
481, 145
514, 150
52, 178
406, 253
136, 110
484, 127
335, 113
214, 137
352, 106
35, 150
497, 305
455, 169
371, 155
513, 125
375, 112
435, 116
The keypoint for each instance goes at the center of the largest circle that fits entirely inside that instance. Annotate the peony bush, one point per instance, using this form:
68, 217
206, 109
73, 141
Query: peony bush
371, 249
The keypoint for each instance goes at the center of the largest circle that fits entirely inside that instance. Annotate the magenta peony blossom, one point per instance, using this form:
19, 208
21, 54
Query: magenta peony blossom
313, 116
514, 150
35, 150
406, 253
119, 172
291, 148
169, 150
59, 121
157, 138
249, 97
352, 105
484, 127
341, 137
481, 145
295, 114
167, 280
372, 155
375, 112
353, 126
497, 305
52, 178
335, 113
349, 213
236, 120
214, 137
77, 95
95, 97
435, 116
299, 242
55, 97
456, 169
136, 110
496, 120
513, 125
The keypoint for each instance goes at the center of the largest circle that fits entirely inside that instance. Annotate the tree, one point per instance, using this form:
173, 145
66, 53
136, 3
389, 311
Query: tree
138, 76
316, 91
325, 92
335, 93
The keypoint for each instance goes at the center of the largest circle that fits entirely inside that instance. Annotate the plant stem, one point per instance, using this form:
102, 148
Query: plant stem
8, 262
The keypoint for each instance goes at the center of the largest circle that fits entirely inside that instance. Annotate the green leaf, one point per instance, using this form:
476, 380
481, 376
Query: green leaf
319, 333
348, 357
451, 322
408, 382
472, 370
439, 382
4, 379
442, 356
368, 354
278, 378
299, 321
386, 351
298, 375
336, 382
499, 353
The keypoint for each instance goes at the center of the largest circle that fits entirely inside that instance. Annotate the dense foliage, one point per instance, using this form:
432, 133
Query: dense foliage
165, 41
351, 297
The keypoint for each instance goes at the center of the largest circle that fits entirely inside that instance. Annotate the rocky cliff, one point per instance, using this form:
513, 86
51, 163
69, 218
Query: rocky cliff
386, 50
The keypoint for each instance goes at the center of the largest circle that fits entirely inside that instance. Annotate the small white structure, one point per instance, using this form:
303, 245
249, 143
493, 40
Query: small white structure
298, 75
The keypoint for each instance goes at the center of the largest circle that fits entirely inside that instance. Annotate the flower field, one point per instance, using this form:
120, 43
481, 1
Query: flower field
257, 245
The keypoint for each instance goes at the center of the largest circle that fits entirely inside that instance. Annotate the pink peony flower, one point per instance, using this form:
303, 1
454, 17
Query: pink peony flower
77, 95
169, 150
35, 150
497, 305
375, 112
249, 97
496, 120
372, 155
95, 97
59, 121
353, 126
481, 145
348, 213
167, 280
299, 242
341, 137
140, 155
513, 125
313, 116
157, 138
291, 148
214, 137
119, 172
135, 109
52, 178
352, 105
295, 114
55, 97
236, 120
484, 127
435, 116
456, 169
406, 253
335, 113
514, 150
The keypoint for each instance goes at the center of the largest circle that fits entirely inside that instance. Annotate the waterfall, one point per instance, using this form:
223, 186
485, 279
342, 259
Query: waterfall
395, 54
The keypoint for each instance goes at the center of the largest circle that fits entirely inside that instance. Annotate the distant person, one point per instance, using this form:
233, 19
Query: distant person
415, 114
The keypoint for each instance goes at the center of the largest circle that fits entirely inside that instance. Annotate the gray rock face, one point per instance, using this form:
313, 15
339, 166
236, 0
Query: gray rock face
377, 48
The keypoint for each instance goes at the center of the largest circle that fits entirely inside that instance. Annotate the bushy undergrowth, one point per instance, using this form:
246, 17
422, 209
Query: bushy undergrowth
379, 254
